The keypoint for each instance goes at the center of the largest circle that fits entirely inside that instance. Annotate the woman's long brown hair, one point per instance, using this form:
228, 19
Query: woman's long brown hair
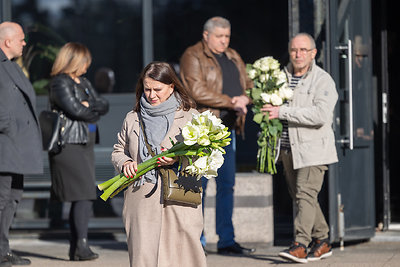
163, 73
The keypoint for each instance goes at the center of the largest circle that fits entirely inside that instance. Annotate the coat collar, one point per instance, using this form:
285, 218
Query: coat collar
210, 54
179, 114
289, 69
3, 56
16, 74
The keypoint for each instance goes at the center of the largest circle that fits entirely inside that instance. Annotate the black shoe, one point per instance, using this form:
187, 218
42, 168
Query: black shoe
83, 251
236, 249
72, 249
4, 262
16, 260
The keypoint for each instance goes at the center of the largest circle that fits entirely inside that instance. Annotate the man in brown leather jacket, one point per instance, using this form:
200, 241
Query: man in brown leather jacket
216, 77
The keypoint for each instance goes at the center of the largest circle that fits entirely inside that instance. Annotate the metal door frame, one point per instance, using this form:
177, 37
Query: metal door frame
335, 15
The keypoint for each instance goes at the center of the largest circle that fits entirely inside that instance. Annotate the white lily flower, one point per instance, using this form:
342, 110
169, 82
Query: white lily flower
215, 160
190, 134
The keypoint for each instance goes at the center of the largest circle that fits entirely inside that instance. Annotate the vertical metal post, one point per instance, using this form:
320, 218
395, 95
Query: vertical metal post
147, 29
5, 10
385, 119
294, 17
341, 227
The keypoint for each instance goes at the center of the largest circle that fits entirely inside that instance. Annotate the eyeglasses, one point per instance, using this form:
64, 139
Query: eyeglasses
301, 51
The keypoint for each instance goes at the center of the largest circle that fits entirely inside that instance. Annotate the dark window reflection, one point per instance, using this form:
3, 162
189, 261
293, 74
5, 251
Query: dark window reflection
259, 28
111, 29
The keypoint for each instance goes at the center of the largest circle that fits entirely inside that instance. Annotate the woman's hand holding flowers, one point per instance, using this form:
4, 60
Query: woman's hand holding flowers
165, 161
129, 168
204, 138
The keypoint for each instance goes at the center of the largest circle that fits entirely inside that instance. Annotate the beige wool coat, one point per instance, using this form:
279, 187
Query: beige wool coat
159, 234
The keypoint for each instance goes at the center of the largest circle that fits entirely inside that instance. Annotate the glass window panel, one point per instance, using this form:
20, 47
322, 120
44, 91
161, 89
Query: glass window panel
112, 30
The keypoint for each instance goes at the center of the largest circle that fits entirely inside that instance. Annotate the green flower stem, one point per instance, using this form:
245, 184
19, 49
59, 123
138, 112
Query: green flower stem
108, 183
269, 156
267, 152
274, 154
113, 187
116, 184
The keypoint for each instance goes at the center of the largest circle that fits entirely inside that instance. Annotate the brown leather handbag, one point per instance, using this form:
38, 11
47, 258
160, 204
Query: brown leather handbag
183, 188
178, 186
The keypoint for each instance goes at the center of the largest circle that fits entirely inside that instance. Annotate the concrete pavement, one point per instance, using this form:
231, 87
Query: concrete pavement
382, 250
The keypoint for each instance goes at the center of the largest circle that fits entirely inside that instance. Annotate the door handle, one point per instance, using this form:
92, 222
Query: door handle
349, 49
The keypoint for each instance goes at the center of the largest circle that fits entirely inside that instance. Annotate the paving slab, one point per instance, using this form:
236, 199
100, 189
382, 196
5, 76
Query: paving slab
382, 250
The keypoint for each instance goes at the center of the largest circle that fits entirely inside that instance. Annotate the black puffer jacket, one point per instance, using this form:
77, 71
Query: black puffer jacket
66, 96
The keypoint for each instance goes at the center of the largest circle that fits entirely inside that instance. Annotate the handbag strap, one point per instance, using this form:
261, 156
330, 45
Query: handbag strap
151, 153
145, 137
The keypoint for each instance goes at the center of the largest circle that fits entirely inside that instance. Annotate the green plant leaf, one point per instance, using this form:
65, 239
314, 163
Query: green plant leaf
256, 94
258, 117
273, 130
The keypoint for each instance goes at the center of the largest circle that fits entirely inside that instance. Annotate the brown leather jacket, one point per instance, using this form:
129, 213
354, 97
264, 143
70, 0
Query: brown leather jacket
202, 76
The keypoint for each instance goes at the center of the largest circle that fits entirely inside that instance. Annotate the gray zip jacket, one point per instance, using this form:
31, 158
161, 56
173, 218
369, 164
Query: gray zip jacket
309, 115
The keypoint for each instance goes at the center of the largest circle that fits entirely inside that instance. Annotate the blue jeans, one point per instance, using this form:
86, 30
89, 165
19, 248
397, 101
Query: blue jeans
225, 182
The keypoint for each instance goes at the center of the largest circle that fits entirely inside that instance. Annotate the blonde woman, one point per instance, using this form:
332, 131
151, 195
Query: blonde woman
72, 170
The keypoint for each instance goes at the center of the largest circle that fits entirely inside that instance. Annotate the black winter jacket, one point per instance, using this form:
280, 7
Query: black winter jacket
66, 96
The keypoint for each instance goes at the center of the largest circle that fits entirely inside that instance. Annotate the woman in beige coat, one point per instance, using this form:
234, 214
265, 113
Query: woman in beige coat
159, 233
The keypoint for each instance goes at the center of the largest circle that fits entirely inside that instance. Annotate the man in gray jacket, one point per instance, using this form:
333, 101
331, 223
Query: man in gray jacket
20, 139
307, 146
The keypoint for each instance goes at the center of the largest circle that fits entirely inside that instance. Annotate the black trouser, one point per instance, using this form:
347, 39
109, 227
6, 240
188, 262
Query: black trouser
11, 187
79, 218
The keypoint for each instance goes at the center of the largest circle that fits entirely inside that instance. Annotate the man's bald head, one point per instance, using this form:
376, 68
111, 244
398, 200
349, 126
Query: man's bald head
11, 39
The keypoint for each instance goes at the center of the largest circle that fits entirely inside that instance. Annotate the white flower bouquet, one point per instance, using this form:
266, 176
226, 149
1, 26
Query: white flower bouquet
204, 138
270, 87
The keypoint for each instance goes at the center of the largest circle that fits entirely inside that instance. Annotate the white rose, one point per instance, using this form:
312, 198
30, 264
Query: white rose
273, 63
266, 98
281, 76
264, 64
257, 64
252, 73
276, 100
263, 78
288, 93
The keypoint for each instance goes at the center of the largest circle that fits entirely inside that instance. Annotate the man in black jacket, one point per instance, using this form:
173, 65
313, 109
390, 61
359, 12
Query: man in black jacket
20, 139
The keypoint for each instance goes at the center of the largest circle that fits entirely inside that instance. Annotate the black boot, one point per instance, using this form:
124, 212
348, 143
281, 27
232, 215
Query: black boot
72, 248
83, 252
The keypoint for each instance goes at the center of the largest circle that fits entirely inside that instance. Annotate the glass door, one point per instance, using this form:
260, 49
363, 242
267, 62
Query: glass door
351, 180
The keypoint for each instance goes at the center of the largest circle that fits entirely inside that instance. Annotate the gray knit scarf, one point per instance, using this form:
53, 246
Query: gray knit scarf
157, 121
